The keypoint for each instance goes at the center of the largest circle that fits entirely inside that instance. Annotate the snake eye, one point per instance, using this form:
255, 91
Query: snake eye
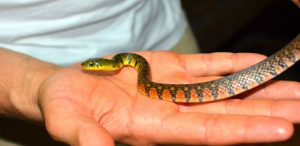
91, 63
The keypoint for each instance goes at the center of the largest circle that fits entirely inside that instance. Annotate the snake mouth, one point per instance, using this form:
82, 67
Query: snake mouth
87, 68
84, 65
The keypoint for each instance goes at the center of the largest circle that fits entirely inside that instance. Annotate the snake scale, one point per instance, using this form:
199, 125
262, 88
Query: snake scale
207, 91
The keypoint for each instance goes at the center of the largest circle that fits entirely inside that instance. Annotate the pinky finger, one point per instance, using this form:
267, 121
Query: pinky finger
214, 129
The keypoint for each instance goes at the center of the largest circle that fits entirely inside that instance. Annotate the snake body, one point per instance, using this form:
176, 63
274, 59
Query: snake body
207, 91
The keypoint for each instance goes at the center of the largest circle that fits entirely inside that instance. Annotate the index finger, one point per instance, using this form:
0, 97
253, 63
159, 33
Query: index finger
213, 64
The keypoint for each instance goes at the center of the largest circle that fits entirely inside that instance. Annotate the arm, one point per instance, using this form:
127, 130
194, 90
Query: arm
20, 78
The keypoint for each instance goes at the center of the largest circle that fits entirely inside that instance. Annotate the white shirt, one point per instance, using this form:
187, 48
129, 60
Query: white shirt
69, 31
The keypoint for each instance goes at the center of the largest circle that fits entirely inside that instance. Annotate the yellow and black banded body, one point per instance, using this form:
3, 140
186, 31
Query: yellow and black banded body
207, 91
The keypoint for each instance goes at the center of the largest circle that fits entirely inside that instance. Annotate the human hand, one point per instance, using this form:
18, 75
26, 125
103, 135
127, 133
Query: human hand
88, 109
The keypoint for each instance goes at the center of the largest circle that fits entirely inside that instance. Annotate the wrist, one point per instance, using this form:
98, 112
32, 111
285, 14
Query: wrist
25, 96
20, 79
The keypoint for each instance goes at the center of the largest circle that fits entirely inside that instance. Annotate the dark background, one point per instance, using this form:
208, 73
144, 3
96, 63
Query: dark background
262, 26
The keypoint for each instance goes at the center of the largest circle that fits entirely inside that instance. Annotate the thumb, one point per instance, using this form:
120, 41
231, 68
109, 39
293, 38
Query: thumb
66, 125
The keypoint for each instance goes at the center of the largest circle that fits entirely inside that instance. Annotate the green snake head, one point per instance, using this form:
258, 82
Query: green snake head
99, 64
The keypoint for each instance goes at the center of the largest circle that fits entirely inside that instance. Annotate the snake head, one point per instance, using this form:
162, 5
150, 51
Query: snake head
91, 64
100, 64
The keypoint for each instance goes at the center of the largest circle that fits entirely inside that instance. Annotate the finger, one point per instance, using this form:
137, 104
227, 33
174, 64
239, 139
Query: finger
287, 109
275, 90
218, 63
270, 90
170, 67
70, 125
197, 128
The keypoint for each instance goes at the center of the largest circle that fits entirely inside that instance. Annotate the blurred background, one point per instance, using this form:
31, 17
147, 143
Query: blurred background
261, 26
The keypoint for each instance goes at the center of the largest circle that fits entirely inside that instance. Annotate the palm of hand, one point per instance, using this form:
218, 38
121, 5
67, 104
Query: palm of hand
92, 108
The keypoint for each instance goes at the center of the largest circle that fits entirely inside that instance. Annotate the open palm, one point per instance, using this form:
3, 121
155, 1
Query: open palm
93, 109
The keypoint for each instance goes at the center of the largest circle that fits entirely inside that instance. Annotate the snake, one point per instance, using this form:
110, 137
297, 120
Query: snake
208, 91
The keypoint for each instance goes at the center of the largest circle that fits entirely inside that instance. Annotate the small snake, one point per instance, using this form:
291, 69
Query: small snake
201, 92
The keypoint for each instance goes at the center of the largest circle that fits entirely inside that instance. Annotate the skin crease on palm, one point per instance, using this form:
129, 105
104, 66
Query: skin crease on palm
92, 108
